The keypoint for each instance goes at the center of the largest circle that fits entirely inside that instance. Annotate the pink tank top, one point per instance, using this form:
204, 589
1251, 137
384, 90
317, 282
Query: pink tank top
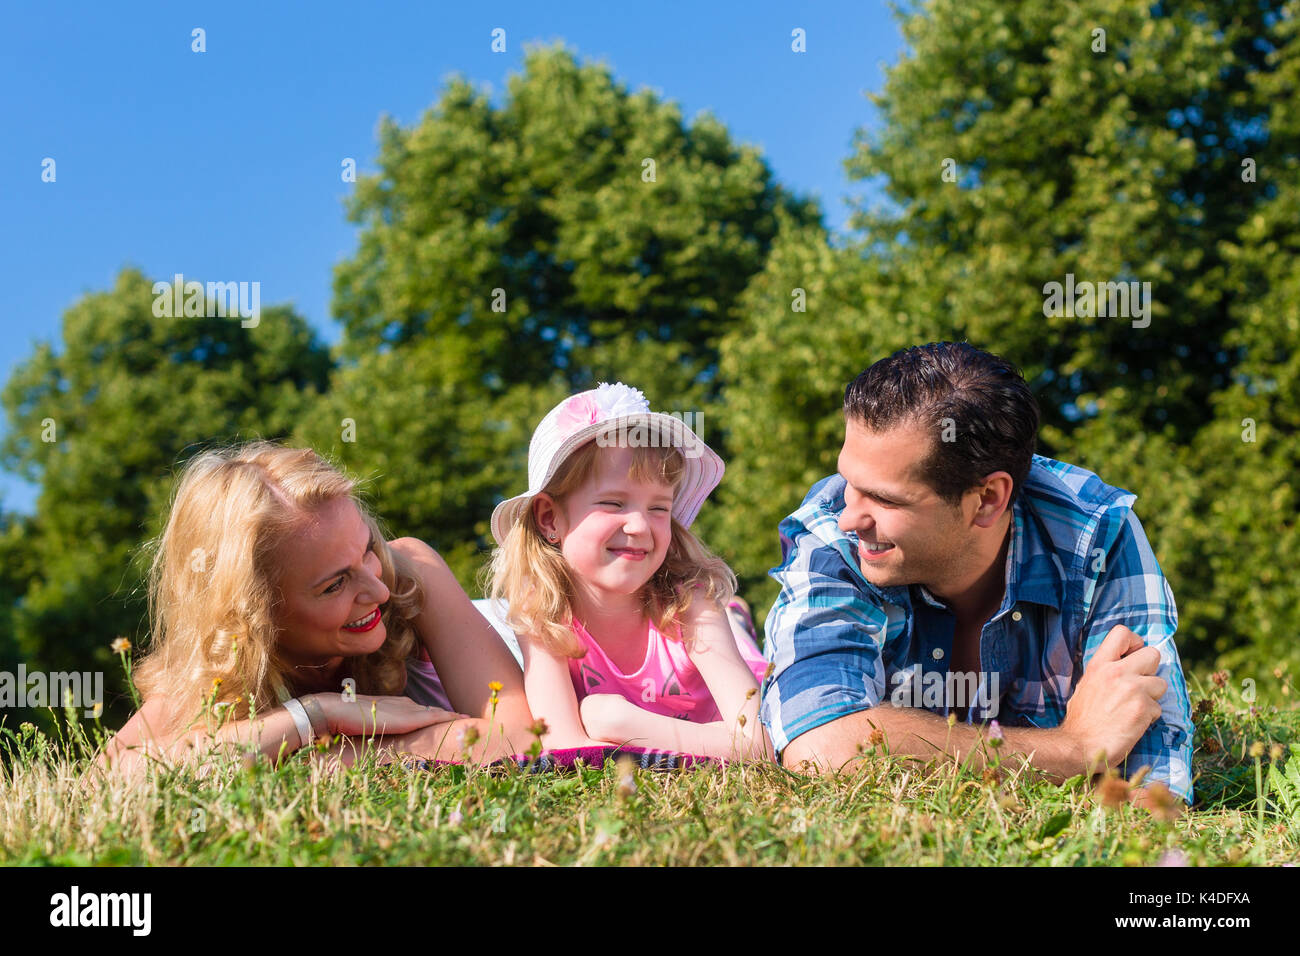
666, 682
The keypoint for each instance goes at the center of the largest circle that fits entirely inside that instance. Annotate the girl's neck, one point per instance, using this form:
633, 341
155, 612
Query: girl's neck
609, 619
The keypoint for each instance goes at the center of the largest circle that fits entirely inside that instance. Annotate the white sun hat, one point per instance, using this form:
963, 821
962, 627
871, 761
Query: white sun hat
614, 415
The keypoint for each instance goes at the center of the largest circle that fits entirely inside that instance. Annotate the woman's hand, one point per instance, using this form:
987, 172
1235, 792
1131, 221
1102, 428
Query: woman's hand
370, 715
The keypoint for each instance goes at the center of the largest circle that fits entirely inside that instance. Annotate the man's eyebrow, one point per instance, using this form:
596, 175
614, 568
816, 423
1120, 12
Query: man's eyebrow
876, 493
370, 543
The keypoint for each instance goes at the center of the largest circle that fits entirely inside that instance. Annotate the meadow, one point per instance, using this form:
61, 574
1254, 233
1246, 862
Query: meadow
57, 808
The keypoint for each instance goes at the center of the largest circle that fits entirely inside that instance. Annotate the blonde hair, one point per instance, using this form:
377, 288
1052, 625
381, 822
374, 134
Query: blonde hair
213, 592
533, 578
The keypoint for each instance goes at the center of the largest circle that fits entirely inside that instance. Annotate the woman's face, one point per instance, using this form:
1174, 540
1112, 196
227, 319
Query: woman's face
330, 588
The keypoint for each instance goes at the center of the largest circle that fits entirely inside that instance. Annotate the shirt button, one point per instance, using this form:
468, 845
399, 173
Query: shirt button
1016, 615
937, 653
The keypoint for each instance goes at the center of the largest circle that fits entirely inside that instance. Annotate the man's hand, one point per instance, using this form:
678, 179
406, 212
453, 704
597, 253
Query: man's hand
1116, 700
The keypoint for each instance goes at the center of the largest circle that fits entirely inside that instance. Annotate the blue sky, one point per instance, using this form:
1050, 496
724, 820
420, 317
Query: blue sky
225, 164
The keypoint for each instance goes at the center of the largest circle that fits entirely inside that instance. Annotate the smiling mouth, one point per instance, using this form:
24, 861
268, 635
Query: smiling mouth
873, 550
633, 554
363, 623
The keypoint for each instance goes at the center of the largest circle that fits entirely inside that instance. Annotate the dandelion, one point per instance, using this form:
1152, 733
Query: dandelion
495, 686
626, 788
1162, 803
1257, 749
1114, 792
120, 645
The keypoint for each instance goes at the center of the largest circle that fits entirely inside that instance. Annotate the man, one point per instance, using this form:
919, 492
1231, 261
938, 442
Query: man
948, 570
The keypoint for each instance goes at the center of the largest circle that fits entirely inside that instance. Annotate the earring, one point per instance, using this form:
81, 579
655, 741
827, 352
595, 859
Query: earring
552, 537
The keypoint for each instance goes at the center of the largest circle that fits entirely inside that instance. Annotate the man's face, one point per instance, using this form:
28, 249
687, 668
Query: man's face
906, 533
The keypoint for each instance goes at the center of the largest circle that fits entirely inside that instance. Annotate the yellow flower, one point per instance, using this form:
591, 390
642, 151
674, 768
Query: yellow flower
120, 645
495, 686
1257, 749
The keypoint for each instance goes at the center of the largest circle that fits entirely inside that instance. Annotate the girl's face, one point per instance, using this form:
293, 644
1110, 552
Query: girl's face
613, 531
330, 587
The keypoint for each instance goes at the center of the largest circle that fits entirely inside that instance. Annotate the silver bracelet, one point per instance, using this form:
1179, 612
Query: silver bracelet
299, 715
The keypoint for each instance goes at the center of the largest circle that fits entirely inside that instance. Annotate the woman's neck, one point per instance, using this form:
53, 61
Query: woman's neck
318, 678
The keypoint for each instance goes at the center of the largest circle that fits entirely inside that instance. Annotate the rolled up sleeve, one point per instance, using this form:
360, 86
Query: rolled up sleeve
1131, 590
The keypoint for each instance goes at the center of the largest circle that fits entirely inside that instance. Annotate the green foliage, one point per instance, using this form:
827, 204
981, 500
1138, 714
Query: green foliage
1117, 165
541, 208
101, 422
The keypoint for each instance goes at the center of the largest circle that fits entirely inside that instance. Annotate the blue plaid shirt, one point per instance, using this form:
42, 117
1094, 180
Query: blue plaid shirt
1078, 564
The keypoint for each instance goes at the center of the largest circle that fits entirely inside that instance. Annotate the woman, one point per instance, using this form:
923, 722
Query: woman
281, 615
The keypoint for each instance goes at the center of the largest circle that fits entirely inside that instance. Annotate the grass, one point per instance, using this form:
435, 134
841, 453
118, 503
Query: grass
893, 810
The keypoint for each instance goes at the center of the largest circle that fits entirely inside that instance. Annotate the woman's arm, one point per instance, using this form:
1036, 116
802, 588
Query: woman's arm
552, 698
466, 650
271, 735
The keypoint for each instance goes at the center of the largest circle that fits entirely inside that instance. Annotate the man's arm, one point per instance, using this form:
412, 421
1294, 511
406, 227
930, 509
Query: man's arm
1112, 706
909, 730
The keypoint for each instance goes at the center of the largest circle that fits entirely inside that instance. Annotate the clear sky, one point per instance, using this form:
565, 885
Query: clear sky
225, 164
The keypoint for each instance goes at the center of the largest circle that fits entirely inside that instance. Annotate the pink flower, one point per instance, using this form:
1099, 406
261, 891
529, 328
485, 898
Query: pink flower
576, 413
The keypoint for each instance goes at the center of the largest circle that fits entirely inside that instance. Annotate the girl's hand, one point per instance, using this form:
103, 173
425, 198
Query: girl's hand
369, 715
606, 716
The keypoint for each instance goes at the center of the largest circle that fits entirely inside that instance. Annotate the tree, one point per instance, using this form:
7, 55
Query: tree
102, 423
511, 255
1020, 145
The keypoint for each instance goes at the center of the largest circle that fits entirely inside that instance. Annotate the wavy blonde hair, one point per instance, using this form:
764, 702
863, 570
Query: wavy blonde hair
214, 593
531, 575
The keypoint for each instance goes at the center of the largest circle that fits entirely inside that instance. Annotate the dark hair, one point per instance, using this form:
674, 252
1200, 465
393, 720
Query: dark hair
993, 415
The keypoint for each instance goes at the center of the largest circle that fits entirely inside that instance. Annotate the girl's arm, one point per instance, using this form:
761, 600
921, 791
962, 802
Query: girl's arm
712, 649
466, 650
551, 697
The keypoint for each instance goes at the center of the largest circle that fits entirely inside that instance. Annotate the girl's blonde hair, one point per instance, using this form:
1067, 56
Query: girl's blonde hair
214, 593
533, 578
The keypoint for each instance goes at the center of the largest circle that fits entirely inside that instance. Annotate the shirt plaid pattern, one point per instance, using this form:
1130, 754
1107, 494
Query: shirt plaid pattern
1078, 564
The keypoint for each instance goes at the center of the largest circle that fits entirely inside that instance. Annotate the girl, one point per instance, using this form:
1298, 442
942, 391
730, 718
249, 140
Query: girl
619, 608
